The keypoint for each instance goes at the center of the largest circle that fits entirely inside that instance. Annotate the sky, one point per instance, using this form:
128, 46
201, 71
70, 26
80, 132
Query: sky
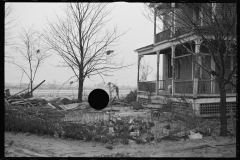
127, 16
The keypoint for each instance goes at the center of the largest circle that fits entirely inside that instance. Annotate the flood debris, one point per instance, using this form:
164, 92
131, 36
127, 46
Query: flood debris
195, 135
125, 122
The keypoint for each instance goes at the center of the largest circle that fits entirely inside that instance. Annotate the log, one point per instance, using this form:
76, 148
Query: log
26, 101
36, 86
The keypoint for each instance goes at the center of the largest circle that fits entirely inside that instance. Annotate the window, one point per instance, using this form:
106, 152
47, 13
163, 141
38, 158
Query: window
169, 64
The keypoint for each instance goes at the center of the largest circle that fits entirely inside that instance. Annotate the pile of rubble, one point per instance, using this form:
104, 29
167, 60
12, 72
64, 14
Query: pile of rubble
25, 100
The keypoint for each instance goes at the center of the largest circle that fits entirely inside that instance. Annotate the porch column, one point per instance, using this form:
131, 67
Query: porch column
197, 68
213, 84
173, 69
157, 84
138, 62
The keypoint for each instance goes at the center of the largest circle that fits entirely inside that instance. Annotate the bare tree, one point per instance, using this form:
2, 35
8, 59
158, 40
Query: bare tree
215, 26
9, 24
32, 54
79, 38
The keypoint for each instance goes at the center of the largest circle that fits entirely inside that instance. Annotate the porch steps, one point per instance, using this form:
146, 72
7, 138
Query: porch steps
160, 100
155, 102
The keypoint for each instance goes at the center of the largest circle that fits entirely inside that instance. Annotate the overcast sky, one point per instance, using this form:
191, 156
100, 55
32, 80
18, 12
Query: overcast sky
125, 15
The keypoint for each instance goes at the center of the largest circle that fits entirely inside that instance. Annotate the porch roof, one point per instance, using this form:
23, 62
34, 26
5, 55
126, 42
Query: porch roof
144, 48
153, 48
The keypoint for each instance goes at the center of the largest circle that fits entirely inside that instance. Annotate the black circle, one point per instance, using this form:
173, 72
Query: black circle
98, 99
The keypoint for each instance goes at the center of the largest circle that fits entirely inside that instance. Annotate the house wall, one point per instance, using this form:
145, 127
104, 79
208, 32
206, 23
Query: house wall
184, 13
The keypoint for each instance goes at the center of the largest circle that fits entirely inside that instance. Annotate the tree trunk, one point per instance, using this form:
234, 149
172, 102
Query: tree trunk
223, 110
80, 90
31, 85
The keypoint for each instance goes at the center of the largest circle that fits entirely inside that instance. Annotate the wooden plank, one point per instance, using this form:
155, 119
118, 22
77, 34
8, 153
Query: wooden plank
183, 56
26, 101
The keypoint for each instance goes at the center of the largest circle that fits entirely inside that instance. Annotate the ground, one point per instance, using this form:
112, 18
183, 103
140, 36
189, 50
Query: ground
29, 145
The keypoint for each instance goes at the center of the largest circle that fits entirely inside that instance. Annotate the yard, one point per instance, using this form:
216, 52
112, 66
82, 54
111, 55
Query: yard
28, 145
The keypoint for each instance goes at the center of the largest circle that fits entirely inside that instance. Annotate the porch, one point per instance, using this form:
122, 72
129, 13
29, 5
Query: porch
191, 88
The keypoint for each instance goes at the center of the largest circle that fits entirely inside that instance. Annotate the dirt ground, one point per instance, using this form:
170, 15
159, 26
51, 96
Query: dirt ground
29, 145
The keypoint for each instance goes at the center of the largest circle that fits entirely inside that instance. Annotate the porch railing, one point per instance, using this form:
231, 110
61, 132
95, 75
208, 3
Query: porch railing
162, 84
184, 87
204, 87
164, 35
148, 86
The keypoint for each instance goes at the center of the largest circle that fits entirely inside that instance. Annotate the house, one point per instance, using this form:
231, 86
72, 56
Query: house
182, 46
